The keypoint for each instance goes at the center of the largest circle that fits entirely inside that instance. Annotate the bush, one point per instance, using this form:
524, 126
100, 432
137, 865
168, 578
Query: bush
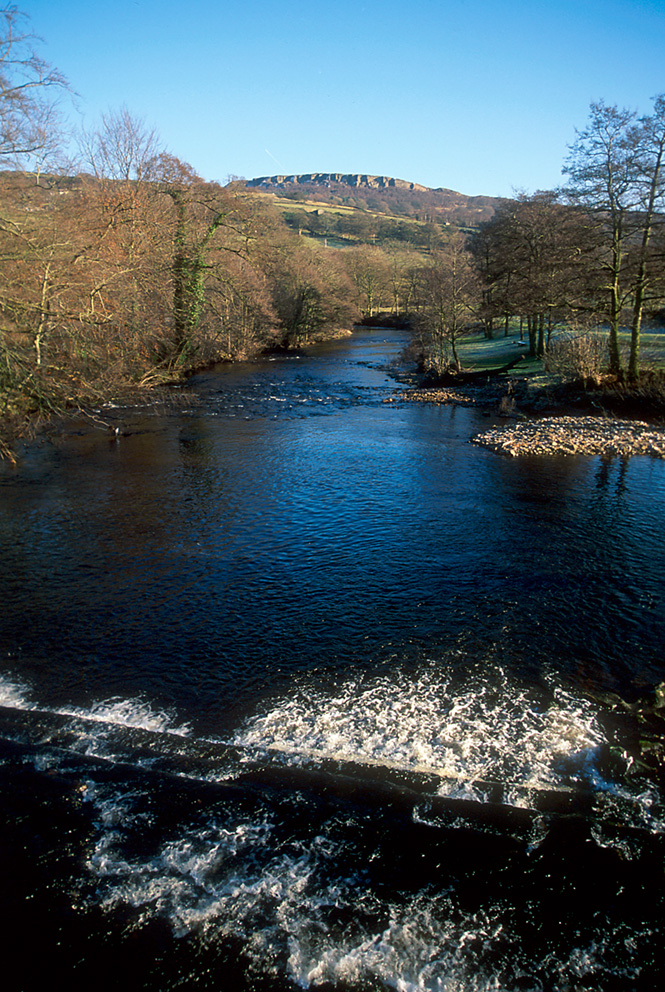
578, 357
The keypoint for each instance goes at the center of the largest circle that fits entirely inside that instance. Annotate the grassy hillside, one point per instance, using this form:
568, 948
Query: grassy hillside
369, 213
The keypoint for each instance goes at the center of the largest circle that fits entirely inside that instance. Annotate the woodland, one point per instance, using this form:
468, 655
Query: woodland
123, 270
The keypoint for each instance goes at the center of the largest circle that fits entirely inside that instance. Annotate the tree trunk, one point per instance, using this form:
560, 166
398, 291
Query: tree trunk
616, 367
188, 275
640, 285
43, 317
541, 335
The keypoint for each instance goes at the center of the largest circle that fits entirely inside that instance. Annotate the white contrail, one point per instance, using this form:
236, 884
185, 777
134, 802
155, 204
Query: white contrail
276, 160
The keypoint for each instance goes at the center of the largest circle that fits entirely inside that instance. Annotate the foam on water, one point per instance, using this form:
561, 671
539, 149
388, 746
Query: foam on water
285, 874
473, 733
235, 880
117, 711
14, 694
468, 734
130, 713
301, 911
464, 734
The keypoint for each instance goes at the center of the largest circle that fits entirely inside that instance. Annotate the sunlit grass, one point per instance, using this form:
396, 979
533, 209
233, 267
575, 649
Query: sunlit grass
477, 352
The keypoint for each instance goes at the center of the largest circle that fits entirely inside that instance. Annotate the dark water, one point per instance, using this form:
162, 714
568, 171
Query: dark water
300, 689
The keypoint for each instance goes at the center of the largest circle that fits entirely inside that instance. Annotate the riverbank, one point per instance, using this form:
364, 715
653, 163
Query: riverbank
542, 419
47, 406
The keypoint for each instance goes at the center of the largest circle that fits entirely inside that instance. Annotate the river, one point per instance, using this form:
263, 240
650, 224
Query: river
300, 689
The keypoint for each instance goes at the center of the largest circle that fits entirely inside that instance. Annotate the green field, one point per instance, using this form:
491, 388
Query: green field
478, 353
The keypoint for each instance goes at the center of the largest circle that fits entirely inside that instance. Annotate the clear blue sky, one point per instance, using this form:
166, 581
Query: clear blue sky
481, 96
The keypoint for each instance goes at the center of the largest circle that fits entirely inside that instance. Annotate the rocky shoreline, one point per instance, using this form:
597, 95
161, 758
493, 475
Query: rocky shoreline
574, 436
547, 435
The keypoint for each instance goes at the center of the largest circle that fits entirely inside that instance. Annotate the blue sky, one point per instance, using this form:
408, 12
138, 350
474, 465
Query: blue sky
480, 96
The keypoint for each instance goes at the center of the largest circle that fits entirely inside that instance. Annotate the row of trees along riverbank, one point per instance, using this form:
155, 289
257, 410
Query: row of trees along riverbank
122, 268
588, 258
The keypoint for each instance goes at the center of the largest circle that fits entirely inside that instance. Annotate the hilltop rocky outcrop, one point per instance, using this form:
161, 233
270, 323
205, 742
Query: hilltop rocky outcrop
348, 179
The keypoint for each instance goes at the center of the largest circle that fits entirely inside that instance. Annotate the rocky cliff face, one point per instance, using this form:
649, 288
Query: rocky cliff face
350, 179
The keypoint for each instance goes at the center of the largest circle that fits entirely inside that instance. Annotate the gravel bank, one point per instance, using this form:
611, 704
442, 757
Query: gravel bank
469, 397
575, 436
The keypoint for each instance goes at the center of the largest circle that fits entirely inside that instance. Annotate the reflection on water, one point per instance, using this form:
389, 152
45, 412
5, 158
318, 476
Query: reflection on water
310, 682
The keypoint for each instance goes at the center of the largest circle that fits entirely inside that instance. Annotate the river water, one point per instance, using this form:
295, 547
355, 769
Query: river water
300, 689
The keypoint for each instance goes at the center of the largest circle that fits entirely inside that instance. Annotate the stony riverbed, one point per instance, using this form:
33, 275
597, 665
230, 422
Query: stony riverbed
574, 436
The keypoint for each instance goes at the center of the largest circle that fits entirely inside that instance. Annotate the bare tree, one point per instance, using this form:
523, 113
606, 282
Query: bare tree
31, 91
31, 138
311, 293
166, 226
651, 188
402, 262
239, 301
206, 221
122, 148
617, 172
602, 167
450, 299
533, 258
369, 269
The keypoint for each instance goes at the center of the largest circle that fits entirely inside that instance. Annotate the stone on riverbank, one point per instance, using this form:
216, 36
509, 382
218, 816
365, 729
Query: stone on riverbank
456, 396
575, 436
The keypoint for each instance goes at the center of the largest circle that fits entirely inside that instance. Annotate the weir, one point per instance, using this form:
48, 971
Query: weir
83, 742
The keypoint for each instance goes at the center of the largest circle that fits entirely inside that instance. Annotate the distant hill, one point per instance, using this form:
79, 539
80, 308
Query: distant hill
381, 194
326, 178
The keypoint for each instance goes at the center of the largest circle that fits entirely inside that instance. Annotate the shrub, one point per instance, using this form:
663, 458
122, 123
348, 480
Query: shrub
578, 356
